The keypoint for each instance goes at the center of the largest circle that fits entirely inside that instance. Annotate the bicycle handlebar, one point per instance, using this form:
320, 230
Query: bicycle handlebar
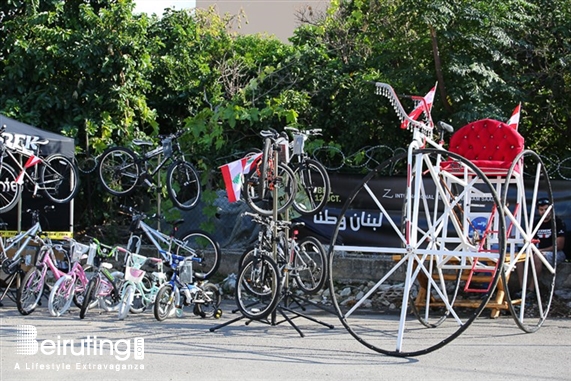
311, 132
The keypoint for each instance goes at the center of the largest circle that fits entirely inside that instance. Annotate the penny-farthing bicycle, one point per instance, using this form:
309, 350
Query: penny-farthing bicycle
427, 246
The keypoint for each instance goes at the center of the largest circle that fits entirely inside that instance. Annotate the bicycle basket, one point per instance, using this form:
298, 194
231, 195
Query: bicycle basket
77, 251
185, 271
134, 275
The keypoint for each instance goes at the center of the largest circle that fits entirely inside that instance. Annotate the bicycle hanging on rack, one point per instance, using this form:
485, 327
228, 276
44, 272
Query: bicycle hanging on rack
120, 170
427, 244
312, 180
56, 176
270, 177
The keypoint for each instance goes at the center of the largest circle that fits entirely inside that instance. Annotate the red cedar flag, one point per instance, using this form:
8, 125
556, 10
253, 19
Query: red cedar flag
429, 99
233, 175
514, 120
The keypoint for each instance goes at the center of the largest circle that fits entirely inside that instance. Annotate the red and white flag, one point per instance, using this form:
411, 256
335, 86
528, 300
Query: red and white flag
428, 99
233, 175
514, 120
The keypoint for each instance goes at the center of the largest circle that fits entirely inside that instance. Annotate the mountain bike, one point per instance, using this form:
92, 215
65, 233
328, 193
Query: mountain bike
183, 290
271, 177
56, 176
312, 180
305, 260
194, 244
120, 170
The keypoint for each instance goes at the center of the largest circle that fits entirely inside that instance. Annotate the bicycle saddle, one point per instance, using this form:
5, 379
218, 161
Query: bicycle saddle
139, 142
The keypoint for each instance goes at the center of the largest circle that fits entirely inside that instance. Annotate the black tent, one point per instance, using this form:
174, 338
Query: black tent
29, 137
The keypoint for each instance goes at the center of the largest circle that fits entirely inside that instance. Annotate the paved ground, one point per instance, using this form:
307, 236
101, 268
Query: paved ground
185, 349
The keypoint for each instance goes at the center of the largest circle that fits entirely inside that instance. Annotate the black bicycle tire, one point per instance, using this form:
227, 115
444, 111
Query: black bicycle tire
73, 180
89, 295
290, 194
160, 315
101, 167
217, 299
21, 309
484, 300
326, 191
212, 249
323, 257
528, 319
245, 306
193, 185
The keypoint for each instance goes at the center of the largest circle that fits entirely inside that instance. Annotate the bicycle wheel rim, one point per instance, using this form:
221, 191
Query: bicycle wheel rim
313, 187
201, 245
60, 179
61, 296
164, 303
30, 291
183, 185
119, 171
258, 287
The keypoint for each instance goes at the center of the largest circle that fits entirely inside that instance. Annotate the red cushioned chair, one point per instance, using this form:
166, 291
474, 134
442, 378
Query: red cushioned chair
490, 144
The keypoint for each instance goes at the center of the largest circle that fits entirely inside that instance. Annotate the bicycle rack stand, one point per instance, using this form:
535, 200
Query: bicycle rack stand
283, 307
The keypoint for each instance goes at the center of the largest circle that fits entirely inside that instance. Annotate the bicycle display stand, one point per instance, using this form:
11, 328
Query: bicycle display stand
287, 297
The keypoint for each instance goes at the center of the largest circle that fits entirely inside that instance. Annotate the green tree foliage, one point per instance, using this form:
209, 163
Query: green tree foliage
92, 70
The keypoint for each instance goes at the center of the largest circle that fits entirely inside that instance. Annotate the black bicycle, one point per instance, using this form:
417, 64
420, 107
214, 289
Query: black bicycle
120, 170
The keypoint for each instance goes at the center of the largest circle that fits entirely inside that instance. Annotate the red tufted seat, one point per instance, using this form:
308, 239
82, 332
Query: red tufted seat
490, 144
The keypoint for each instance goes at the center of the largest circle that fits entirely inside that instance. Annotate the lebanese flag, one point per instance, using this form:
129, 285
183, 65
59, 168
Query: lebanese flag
233, 175
414, 114
514, 120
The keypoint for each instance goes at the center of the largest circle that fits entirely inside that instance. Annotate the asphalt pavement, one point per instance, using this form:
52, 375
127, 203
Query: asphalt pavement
41, 347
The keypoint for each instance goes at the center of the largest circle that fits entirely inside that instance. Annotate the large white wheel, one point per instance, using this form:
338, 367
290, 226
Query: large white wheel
527, 182
451, 223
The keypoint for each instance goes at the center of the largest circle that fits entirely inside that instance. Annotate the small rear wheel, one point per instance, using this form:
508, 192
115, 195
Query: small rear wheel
212, 299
